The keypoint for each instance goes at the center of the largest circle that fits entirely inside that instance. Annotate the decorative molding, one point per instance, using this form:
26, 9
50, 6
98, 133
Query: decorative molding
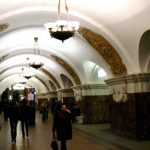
3, 57
133, 78
136, 83
105, 49
52, 94
61, 93
90, 86
68, 69
52, 77
3, 26
43, 82
91, 90
66, 90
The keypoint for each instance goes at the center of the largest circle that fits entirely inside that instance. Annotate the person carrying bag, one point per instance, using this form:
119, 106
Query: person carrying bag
62, 125
54, 144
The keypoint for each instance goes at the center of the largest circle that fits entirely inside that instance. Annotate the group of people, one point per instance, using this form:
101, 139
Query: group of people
62, 121
18, 112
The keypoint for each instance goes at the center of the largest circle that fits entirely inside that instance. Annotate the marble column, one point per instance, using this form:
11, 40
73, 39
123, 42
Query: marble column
130, 105
93, 100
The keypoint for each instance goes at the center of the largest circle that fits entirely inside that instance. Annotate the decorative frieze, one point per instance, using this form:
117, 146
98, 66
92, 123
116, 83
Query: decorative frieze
135, 83
53, 94
68, 68
90, 90
61, 93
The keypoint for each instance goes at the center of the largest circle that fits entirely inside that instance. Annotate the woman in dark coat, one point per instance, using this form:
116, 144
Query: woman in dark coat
62, 124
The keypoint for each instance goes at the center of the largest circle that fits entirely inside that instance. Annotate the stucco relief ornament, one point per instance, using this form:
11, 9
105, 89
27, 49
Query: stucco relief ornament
59, 95
78, 95
3, 26
120, 94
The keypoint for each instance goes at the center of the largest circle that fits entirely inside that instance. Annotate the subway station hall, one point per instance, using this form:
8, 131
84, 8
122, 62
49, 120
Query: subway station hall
75, 71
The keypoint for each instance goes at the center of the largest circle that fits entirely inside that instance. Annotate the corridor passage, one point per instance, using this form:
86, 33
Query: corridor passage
85, 137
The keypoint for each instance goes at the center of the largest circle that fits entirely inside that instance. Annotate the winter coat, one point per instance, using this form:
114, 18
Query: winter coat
24, 112
62, 124
13, 112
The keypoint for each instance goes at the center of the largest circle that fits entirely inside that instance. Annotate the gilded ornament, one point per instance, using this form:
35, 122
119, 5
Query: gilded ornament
104, 48
68, 68
3, 26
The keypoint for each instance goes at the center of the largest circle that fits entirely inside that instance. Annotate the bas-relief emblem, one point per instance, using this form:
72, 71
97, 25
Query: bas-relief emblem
120, 94
59, 96
77, 95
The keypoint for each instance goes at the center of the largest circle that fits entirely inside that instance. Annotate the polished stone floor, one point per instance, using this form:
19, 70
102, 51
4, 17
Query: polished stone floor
85, 137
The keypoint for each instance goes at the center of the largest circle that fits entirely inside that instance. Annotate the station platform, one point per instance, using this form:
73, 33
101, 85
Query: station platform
85, 137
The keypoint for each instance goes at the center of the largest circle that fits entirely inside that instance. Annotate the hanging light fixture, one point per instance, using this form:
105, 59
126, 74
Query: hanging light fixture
27, 74
36, 64
22, 80
62, 29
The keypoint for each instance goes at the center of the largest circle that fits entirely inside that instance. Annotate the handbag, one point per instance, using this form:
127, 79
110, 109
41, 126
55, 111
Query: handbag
54, 144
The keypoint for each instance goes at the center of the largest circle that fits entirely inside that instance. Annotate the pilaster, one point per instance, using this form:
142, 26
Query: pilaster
130, 105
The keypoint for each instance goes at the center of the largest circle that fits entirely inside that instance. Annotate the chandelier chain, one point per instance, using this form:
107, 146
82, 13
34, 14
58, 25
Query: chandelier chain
66, 8
36, 46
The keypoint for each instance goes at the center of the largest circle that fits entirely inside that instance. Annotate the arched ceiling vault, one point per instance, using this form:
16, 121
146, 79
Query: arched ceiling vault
26, 55
17, 73
109, 38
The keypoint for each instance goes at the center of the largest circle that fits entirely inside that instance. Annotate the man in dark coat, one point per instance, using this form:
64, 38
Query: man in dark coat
24, 118
62, 124
13, 114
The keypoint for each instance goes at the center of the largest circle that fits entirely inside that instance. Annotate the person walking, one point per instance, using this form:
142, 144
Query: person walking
24, 118
5, 110
13, 118
62, 125
44, 111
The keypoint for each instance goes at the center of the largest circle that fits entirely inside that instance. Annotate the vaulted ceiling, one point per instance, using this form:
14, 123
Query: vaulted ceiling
113, 40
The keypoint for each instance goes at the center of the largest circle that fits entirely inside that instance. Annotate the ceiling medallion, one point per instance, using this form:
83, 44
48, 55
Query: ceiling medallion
62, 29
3, 26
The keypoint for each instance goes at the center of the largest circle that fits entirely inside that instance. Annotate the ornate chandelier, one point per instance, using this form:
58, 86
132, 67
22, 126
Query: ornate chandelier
62, 29
35, 64
22, 80
27, 74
